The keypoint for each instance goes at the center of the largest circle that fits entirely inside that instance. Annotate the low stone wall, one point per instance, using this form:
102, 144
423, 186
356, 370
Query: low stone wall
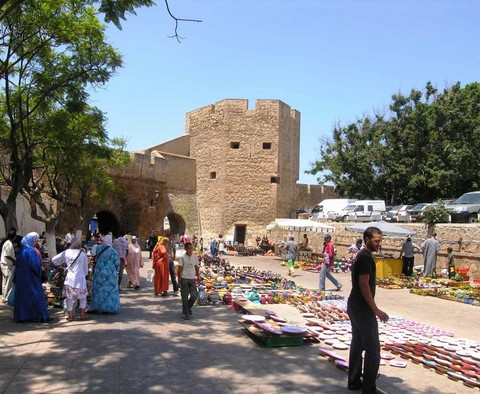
464, 239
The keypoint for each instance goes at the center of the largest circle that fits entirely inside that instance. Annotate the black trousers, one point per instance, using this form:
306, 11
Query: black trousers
364, 337
408, 265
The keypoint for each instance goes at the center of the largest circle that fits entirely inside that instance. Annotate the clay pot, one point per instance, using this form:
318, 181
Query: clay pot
213, 297
208, 285
227, 299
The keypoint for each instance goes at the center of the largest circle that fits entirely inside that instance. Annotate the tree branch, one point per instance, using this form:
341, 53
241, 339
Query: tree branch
176, 36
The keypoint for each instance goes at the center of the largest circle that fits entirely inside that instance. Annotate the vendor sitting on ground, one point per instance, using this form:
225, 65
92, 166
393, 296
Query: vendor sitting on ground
304, 244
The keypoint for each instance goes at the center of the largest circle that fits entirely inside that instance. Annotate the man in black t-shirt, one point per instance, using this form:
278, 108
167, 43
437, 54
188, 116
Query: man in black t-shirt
363, 312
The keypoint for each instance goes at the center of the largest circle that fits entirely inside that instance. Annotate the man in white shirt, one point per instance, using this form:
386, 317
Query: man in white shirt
69, 237
7, 262
188, 275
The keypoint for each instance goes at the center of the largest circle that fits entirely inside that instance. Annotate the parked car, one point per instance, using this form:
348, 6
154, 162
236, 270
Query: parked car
465, 209
388, 208
446, 202
362, 211
398, 213
417, 211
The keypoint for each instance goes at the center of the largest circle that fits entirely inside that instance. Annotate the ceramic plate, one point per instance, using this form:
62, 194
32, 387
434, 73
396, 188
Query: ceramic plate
308, 314
387, 356
464, 353
341, 364
253, 318
278, 318
475, 356
324, 336
451, 348
398, 364
268, 328
314, 322
340, 345
294, 330
270, 313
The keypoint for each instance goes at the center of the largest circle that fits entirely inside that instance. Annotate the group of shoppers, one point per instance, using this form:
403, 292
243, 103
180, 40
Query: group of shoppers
23, 275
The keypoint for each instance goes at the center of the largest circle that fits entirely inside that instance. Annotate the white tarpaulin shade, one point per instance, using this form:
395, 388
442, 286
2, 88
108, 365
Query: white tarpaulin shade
300, 225
388, 229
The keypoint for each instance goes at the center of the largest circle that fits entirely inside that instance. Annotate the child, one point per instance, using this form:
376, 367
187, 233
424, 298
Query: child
450, 263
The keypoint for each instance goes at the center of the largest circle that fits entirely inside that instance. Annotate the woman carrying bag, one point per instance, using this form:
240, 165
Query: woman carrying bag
75, 284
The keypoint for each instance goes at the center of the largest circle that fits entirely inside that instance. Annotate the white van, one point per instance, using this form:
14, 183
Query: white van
362, 211
328, 208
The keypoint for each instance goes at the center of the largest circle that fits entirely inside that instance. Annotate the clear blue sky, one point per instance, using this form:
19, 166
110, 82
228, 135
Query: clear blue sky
332, 60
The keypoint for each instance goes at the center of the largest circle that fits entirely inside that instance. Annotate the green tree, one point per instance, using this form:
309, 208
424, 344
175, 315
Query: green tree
72, 167
422, 150
114, 10
52, 51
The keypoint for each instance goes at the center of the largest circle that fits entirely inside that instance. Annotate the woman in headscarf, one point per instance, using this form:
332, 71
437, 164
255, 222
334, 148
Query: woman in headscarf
160, 265
30, 300
105, 296
134, 262
75, 285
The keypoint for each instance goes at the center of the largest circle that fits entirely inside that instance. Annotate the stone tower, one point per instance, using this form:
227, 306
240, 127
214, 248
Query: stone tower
247, 164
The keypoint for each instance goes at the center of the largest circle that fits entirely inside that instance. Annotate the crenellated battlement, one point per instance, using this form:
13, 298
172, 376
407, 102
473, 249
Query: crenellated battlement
238, 106
153, 165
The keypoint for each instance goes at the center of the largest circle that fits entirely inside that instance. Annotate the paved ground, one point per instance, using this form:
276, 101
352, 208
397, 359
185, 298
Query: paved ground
149, 348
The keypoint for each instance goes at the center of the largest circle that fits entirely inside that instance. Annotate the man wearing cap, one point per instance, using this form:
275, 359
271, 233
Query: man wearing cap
328, 261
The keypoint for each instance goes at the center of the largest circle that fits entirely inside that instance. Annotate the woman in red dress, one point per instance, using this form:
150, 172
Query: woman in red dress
160, 266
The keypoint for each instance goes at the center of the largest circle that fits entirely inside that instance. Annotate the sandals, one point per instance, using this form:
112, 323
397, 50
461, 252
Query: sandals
186, 317
85, 318
69, 319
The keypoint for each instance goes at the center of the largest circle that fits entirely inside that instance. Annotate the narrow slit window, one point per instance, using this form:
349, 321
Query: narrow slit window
267, 145
235, 145
213, 175
275, 179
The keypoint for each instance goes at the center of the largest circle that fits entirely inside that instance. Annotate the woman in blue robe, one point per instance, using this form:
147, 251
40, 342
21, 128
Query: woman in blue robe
105, 296
30, 302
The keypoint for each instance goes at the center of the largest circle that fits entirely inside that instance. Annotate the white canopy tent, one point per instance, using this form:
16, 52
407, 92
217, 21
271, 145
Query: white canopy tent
300, 225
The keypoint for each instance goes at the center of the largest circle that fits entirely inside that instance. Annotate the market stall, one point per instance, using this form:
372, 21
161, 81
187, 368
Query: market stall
300, 226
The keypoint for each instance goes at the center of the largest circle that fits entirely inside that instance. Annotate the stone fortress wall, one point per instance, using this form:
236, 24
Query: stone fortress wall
234, 170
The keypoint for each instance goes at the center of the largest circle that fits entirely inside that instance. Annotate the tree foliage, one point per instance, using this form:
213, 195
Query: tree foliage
114, 10
423, 149
52, 52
